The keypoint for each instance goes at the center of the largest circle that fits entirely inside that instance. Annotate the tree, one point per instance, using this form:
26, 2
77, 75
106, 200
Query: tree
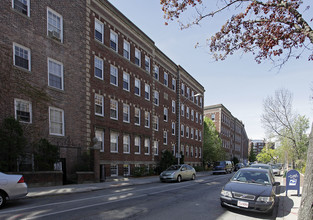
12, 146
267, 28
166, 161
267, 155
252, 156
280, 120
212, 143
45, 155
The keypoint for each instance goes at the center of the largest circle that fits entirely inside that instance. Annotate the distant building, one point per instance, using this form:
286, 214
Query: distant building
232, 131
257, 146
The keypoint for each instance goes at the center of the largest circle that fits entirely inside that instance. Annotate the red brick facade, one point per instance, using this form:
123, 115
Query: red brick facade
65, 80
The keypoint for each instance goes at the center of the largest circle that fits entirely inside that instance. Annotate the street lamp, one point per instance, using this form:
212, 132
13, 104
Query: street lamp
179, 125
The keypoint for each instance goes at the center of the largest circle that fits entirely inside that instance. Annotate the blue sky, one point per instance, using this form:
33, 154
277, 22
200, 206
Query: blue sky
239, 83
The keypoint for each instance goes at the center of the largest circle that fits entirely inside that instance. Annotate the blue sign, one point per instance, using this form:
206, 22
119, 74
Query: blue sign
293, 181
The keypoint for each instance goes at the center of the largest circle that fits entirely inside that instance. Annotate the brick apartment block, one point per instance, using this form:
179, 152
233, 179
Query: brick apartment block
232, 131
75, 70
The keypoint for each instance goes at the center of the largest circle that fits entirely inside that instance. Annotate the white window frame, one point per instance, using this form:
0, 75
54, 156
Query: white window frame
137, 138
126, 79
115, 168
155, 147
187, 131
137, 81
114, 39
113, 73
155, 123
182, 130
51, 122
28, 56
165, 137
126, 49
147, 63
174, 84
99, 65
137, 57
192, 115
114, 102
165, 114
61, 73
147, 92
156, 72
126, 144
165, 79
197, 117
20, 103
173, 128
101, 99
182, 110
101, 31
147, 146
126, 113
191, 133
183, 89
156, 98
51, 30
147, 119
137, 110
99, 134
187, 112
114, 137
173, 106
27, 4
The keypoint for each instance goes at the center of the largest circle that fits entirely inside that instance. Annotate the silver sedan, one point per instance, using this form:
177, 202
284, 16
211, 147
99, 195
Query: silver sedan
178, 173
11, 187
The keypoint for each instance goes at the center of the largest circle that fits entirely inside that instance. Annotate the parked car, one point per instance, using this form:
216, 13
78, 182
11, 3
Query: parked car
178, 173
251, 189
11, 187
262, 166
239, 166
276, 169
223, 167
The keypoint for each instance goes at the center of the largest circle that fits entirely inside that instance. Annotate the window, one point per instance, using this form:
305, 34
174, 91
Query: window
187, 112
173, 150
126, 113
182, 110
55, 25
137, 116
155, 147
98, 68
188, 92
114, 170
155, 123
98, 31
197, 100
200, 102
165, 79
192, 115
182, 149
183, 89
56, 121
126, 50
55, 74
187, 132
126, 81
196, 153
173, 128
147, 64
196, 135
173, 106
165, 114
137, 57
165, 137
197, 117
113, 109
213, 117
99, 105
147, 119
187, 150
182, 130
21, 56
22, 6
99, 134
113, 75
137, 87
200, 152
156, 97
114, 41
200, 119
193, 96
191, 151
147, 146
126, 169
137, 145
200, 136
147, 92
113, 142
156, 72
23, 110
174, 84
191, 133
126, 143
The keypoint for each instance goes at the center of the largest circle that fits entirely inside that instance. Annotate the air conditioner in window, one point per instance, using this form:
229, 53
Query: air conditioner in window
54, 35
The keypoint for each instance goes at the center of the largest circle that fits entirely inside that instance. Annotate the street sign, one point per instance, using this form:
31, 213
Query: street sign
293, 181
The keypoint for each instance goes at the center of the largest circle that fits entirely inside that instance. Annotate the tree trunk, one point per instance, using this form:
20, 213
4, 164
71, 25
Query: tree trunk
306, 206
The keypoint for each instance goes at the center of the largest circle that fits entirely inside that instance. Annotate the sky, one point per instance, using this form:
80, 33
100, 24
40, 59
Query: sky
238, 82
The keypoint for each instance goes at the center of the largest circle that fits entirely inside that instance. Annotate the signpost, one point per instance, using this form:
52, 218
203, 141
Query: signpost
293, 181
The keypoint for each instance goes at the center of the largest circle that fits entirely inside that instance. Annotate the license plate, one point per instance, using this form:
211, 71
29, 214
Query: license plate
243, 204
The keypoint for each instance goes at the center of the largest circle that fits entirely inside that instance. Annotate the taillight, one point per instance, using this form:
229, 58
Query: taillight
21, 180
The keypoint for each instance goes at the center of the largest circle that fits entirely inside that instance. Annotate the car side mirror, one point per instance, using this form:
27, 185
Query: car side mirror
277, 184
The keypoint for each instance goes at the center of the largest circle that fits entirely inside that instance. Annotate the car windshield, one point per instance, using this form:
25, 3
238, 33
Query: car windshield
174, 167
275, 166
260, 166
219, 163
249, 176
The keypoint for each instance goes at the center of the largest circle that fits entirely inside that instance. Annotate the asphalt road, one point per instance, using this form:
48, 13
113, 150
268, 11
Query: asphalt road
197, 199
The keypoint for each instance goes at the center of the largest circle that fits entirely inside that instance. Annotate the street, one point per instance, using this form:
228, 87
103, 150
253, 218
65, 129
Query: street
197, 199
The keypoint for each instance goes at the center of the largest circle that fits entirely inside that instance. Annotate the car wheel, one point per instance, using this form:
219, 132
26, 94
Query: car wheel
179, 178
2, 199
193, 177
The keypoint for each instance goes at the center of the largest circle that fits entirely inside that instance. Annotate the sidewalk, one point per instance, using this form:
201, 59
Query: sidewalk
288, 205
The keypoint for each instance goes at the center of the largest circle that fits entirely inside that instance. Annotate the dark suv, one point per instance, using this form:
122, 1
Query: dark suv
223, 167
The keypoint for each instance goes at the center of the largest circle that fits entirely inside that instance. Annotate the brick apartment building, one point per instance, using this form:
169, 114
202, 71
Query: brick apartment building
70, 77
232, 131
